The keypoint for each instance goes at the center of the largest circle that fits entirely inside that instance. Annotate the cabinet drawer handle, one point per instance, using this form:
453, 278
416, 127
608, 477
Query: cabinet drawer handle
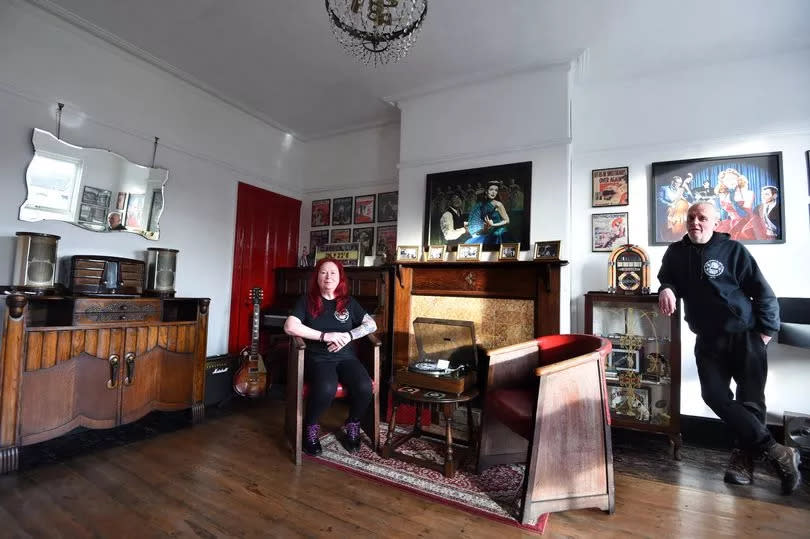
129, 360
113, 381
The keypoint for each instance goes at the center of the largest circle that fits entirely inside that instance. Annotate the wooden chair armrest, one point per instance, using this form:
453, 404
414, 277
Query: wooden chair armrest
566, 364
512, 366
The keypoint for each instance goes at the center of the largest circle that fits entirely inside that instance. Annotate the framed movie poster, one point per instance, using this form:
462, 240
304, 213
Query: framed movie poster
135, 219
386, 239
318, 238
342, 211
320, 212
365, 237
610, 187
387, 207
486, 206
340, 235
608, 230
746, 191
364, 209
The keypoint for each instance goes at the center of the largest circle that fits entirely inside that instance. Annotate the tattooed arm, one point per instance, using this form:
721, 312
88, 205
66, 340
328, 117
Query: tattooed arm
366, 326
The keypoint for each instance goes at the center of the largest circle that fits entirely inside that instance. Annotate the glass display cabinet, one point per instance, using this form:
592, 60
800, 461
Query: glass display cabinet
643, 372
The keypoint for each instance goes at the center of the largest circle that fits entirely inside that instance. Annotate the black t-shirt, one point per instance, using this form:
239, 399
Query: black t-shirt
329, 321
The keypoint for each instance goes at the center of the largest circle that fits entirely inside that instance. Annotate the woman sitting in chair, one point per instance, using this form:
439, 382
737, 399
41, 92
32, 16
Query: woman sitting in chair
330, 320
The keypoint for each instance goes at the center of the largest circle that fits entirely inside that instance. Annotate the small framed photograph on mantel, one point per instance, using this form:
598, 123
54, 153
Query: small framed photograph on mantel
408, 253
547, 250
468, 252
508, 251
435, 253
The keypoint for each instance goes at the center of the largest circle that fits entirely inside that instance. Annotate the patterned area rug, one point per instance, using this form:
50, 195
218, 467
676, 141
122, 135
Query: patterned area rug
495, 494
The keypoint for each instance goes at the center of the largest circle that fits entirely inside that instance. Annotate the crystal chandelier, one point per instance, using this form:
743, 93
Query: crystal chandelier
376, 31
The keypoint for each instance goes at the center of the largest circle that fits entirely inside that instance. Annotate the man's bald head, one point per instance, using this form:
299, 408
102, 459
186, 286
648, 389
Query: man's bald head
701, 220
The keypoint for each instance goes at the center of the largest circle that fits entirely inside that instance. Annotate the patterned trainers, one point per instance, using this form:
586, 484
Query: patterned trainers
352, 441
740, 469
785, 461
312, 445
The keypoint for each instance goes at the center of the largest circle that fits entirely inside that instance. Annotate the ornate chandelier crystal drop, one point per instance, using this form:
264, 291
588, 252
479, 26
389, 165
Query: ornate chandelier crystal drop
376, 31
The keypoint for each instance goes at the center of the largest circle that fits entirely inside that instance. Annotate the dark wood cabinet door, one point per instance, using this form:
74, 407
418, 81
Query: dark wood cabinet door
71, 379
158, 364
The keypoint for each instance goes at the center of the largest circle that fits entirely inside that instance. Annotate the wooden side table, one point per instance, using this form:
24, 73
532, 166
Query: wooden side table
447, 404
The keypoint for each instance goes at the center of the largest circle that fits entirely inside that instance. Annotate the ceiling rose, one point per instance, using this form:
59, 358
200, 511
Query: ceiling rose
376, 31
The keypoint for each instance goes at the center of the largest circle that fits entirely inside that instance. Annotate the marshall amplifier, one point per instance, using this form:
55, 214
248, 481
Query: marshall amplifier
219, 371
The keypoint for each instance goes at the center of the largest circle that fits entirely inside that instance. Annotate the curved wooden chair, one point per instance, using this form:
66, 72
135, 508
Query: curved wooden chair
368, 351
546, 405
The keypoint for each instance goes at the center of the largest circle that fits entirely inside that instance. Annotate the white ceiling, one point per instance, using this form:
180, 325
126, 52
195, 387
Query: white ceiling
278, 59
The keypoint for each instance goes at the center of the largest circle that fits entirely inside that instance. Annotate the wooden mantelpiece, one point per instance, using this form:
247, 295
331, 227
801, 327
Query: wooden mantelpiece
534, 281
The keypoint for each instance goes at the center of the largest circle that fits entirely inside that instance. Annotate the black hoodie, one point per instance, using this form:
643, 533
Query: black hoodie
722, 288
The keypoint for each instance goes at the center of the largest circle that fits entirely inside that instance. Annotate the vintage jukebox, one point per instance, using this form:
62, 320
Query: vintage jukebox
629, 270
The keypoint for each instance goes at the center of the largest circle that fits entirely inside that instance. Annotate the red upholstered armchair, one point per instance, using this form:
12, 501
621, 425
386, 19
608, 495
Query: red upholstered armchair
546, 405
368, 352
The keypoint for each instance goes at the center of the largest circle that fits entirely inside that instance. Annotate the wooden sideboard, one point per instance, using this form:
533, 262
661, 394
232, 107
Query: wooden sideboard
96, 363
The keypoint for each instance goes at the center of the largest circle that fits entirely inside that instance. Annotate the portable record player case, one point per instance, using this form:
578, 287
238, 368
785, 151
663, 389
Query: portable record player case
447, 356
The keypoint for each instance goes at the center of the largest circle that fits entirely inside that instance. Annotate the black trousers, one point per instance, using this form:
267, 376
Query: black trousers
322, 378
741, 357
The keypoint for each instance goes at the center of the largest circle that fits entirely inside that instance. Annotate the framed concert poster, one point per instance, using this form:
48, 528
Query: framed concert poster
320, 212
610, 187
318, 238
364, 209
387, 207
608, 230
365, 237
340, 235
386, 239
342, 211
746, 191
461, 204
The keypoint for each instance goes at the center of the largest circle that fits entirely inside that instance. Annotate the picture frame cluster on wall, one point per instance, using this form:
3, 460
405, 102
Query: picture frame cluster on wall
352, 219
610, 187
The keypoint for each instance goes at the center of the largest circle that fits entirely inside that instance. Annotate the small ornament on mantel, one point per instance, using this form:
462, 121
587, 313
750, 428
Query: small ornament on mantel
303, 262
629, 270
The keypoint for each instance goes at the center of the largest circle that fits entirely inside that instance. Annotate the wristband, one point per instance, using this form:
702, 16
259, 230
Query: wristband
321, 336
351, 337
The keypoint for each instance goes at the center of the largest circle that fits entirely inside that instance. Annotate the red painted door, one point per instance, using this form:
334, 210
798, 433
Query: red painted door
266, 239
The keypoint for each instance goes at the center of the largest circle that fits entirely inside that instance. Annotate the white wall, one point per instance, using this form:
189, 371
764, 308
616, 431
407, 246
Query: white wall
352, 164
511, 119
117, 102
755, 106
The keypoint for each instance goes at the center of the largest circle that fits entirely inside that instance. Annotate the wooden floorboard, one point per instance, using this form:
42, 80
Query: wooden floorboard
231, 476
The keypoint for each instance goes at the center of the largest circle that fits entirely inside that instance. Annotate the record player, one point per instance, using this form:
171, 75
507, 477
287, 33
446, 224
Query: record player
447, 358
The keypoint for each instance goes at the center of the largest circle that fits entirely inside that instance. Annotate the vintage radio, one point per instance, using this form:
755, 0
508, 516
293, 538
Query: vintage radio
92, 275
447, 357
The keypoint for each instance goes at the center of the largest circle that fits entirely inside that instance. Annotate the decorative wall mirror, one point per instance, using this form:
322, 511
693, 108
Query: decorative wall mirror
92, 188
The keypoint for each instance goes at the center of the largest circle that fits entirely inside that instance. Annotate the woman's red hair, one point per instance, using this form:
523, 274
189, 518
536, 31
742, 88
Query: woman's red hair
314, 300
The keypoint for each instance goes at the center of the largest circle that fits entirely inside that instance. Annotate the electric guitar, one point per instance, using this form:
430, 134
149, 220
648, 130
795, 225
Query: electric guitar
252, 380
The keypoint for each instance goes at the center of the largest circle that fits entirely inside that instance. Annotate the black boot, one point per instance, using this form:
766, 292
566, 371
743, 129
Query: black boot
785, 461
312, 445
352, 441
740, 468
